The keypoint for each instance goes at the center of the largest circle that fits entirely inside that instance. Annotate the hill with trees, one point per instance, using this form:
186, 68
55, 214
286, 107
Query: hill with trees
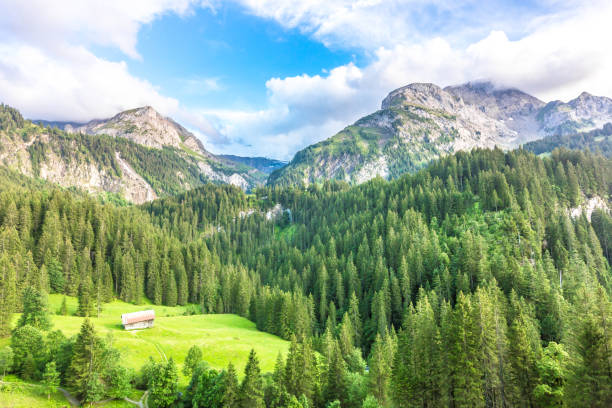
482, 280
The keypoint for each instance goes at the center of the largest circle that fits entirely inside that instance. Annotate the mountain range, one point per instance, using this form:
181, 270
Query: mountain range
420, 122
140, 154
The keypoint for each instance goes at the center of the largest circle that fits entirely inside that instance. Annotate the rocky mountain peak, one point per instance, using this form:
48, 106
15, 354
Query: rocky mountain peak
146, 126
422, 94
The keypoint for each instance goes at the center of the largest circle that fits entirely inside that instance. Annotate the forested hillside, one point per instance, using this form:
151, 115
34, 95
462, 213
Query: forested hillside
467, 284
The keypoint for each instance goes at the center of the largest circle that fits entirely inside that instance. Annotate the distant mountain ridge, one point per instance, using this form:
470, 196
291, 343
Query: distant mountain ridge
597, 141
138, 154
262, 164
420, 122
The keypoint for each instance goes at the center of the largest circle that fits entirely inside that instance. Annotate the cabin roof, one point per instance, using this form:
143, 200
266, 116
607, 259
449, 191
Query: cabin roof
135, 317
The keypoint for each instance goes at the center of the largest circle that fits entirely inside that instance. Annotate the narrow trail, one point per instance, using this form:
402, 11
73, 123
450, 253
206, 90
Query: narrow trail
73, 401
159, 349
142, 403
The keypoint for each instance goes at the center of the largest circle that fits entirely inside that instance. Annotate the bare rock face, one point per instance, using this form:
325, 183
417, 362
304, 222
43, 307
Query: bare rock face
514, 108
586, 112
421, 121
85, 174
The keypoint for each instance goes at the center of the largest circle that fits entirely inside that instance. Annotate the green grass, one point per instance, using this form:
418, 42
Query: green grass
223, 337
15, 393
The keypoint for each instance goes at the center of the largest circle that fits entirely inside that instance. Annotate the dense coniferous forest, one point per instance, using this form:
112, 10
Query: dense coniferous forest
467, 284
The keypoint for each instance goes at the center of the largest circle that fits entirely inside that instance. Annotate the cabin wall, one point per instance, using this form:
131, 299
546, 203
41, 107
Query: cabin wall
139, 325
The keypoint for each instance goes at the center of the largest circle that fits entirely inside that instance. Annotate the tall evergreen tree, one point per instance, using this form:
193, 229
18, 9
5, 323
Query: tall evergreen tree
7, 294
251, 389
35, 310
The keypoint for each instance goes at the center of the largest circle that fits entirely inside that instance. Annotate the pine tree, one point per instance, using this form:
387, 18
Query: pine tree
552, 373
29, 351
590, 340
232, 388
379, 375
63, 310
87, 363
86, 303
50, 379
55, 272
194, 356
463, 356
524, 351
335, 387
251, 389
163, 384
35, 310
6, 360
7, 294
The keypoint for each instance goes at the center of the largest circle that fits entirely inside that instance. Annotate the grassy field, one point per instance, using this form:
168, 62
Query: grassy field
15, 393
222, 338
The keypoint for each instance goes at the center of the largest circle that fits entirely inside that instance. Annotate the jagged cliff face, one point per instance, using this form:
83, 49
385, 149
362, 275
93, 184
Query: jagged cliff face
88, 175
144, 126
420, 122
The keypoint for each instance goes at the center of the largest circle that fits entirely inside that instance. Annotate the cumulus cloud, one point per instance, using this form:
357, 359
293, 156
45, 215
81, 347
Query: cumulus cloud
563, 54
109, 23
48, 71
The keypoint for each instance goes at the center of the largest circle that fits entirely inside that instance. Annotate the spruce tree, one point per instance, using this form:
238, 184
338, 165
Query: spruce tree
231, 393
35, 310
335, 387
7, 294
87, 363
251, 389
86, 302
163, 384
6, 360
590, 340
194, 356
463, 356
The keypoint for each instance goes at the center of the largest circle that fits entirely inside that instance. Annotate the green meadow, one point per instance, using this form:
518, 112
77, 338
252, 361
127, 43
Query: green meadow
223, 338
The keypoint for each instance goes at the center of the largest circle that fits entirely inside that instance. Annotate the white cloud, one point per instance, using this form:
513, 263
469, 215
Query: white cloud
563, 55
48, 71
113, 23
76, 86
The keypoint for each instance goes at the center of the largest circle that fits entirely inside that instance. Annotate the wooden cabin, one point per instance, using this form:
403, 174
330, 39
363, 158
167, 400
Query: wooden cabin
138, 320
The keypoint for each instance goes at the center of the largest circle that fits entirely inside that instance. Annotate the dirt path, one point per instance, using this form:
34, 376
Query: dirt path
73, 401
142, 403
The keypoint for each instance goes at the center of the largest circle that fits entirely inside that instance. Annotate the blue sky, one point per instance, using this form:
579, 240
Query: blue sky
269, 77
223, 58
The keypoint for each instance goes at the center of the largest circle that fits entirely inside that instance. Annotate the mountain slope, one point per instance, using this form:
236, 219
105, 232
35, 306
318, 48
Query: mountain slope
103, 163
420, 122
